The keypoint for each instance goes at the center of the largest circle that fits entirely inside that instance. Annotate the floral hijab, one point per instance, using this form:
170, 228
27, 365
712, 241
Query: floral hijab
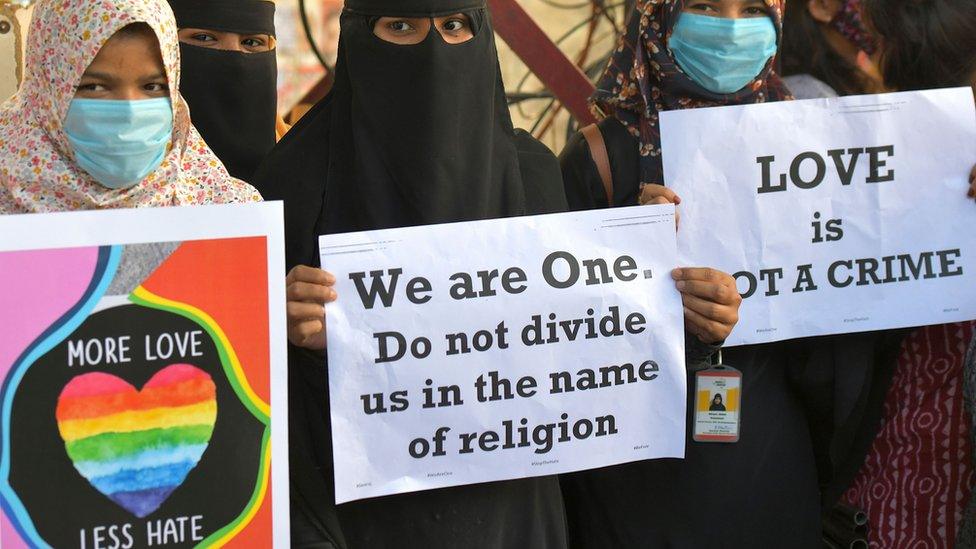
850, 23
643, 79
38, 172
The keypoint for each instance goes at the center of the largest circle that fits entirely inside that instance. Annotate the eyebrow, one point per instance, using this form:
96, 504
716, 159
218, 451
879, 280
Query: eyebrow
98, 75
106, 77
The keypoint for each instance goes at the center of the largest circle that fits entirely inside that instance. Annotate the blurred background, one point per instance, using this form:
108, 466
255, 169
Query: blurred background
584, 31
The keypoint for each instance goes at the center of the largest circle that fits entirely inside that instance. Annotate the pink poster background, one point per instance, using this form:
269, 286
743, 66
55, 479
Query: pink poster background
36, 289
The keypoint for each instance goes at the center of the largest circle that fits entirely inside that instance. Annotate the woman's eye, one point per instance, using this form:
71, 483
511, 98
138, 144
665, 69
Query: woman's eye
91, 87
400, 26
454, 25
754, 10
156, 87
252, 42
702, 7
204, 37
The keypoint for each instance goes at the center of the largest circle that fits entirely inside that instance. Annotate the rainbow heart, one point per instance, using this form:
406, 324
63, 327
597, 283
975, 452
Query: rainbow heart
137, 447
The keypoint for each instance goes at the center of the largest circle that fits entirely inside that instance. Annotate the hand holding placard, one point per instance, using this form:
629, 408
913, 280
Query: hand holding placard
972, 184
308, 290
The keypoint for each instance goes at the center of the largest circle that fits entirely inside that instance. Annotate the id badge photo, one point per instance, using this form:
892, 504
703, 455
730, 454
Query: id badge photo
718, 404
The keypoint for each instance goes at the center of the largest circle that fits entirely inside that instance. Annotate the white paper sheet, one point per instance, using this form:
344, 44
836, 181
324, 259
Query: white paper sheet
400, 451
907, 211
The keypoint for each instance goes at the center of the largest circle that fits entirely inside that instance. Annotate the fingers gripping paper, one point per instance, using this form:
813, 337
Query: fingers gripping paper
502, 349
835, 215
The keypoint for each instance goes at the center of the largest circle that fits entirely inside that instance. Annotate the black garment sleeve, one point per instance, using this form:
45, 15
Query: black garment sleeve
697, 352
295, 172
541, 177
585, 191
584, 188
315, 522
967, 528
842, 381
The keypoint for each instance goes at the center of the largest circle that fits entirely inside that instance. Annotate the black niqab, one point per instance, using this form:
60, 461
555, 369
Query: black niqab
409, 135
429, 132
232, 94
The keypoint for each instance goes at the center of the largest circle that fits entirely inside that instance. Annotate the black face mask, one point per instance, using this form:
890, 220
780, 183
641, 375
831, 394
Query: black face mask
232, 95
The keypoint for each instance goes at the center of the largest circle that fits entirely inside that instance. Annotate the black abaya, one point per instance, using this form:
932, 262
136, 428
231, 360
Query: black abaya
522, 513
389, 148
810, 410
758, 492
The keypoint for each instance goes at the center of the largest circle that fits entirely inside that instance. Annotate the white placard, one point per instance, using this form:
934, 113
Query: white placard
836, 215
593, 392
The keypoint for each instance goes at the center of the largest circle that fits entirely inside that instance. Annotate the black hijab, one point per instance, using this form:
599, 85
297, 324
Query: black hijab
232, 95
409, 135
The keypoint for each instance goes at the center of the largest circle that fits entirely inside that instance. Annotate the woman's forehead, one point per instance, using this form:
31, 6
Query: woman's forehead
78, 31
412, 8
774, 5
237, 16
134, 53
742, 2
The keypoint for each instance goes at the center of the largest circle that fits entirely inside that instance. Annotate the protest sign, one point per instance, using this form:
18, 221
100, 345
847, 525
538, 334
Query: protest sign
142, 354
834, 215
502, 349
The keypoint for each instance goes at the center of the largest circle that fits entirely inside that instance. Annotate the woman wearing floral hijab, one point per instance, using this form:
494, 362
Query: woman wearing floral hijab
762, 490
98, 121
646, 76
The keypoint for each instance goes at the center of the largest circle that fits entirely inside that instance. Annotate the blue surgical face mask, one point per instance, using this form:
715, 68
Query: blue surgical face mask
119, 142
722, 55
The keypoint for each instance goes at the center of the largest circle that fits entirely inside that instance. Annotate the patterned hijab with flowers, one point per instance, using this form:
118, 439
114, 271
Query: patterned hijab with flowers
850, 23
643, 79
38, 171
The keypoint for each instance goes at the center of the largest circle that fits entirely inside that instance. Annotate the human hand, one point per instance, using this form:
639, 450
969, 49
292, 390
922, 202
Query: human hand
972, 183
308, 290
711, 302
653, 193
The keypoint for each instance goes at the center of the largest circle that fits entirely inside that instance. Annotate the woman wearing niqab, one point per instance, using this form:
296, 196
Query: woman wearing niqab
232, 94
409, 135
39, 169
